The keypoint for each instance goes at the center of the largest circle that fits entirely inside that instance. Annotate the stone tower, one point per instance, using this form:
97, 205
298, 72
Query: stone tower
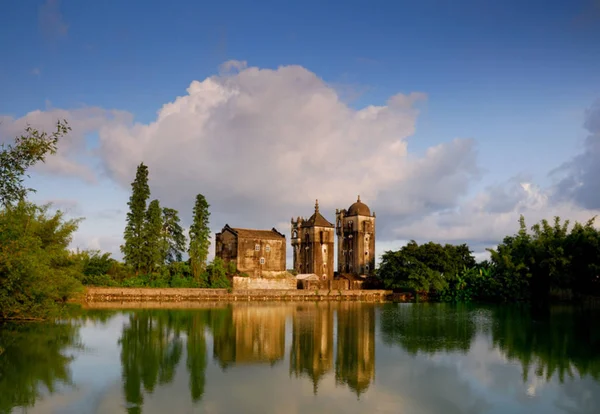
355, 230
312, 244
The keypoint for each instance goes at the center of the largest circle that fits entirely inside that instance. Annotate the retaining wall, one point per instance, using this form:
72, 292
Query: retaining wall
252, 283
99, 294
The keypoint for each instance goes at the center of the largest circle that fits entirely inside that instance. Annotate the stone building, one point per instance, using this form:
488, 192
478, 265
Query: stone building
258, 253
355, 230
313, 245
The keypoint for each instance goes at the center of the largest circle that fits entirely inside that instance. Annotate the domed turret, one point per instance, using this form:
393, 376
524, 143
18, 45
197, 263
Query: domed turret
359, 209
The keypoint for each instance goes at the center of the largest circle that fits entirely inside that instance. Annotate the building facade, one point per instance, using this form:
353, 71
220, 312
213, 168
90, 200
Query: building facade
355, 229
313, 245
258, 253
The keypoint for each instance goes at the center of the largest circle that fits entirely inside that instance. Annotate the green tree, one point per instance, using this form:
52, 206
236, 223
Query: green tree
217, 274
173, 235
17, 158
37, 271
154, 242
133, 249
199, 236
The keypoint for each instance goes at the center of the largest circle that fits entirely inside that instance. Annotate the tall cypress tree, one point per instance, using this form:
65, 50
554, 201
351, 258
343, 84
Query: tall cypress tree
134, 239
199, 236
154, 250
174, 239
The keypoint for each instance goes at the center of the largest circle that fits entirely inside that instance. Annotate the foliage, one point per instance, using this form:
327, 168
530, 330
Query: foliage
33, 356
528, 266
155, 246
96, 267
427, 267
217, 275
173, 235
16, 159
133, 249
199, 236
37, 271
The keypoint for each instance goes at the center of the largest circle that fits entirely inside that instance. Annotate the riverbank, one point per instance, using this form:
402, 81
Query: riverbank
175, 295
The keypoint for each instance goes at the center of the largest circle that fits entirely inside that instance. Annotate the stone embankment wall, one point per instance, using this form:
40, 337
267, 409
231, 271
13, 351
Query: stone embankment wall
98, 294
250, 283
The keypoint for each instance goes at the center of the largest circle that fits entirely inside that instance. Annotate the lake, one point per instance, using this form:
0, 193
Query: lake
304, 358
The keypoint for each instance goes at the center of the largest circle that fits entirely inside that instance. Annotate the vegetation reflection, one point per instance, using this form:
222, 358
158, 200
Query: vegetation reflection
152, 348
428, 328
34, 357
567, 344
564, 345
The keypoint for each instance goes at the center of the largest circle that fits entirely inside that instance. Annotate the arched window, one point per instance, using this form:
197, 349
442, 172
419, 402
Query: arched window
295, 234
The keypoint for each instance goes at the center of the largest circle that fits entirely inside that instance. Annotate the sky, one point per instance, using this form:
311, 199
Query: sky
449, 119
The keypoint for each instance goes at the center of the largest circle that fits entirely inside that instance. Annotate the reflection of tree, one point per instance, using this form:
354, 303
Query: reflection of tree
248, 334
196, 353
567, 343
428, 328
312, 341
355, 360
151, 349
32, 355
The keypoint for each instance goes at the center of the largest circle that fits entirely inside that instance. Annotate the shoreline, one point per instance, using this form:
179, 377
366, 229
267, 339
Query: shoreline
95, 295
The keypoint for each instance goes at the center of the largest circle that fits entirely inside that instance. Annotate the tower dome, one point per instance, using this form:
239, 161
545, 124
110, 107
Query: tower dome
359, 209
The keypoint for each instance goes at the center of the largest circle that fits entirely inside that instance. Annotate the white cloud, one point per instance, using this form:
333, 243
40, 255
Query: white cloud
263, 144
73, 150
481, 224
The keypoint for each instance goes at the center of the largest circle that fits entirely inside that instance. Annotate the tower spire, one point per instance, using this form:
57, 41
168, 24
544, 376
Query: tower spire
316, 206
358, 200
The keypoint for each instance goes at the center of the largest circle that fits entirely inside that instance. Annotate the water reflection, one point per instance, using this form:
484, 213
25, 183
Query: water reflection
311, 352
309, 357
428, 328
355, 360
247, 333
566, 345
34, 360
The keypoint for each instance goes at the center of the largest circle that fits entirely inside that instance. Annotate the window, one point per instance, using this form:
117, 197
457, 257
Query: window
267, 248
257, 247
295, 234
262, 260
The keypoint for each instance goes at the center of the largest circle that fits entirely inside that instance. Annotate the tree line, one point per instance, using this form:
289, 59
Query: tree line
549, 260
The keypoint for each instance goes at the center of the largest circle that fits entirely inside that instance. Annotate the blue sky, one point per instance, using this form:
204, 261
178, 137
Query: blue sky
516, 77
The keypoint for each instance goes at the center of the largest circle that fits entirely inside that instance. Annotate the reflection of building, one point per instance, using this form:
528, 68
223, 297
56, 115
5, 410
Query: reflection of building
259, 253
312, 341
312, 243
355, 229
255, 334
355, 360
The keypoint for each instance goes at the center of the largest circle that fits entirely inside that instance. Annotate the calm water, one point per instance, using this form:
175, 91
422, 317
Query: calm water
304, 358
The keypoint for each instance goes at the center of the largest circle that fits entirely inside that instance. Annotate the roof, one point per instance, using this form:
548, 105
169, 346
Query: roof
359, 209
317, 219
272, 234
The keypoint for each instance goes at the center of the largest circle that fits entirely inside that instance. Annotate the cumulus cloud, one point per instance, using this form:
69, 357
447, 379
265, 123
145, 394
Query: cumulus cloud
73, 149
580, 181
484, 220
263, 144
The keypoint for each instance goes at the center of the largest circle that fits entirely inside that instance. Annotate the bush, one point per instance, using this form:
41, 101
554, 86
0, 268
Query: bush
37, 271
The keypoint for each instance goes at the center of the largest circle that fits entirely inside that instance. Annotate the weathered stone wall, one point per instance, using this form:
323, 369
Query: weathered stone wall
249, 257
337, 284
226, 246
249, 283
